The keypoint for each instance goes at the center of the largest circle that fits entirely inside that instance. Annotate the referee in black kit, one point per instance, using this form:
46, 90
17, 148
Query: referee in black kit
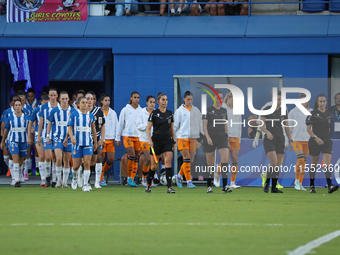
96, 160
318, 126
216, 137
274, 142
162, 121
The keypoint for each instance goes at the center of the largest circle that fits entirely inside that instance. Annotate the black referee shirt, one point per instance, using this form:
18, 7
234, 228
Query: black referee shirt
216, 114
276, 129
99, 119
321, 123
161, 124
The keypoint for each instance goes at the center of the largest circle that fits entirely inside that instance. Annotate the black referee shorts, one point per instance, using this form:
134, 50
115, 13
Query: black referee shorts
315, 149
219, 142
160, 146
277, 145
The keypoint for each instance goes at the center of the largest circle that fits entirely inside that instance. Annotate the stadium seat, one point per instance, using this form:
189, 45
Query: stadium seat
334, 7
310, 6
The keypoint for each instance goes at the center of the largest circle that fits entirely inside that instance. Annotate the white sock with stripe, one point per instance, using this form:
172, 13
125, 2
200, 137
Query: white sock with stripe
54, 172
21, 168
42, 170
36, 162
58, 172
75, 174
66, 173
48, 168
26, 163
29, 164
86, 176
6, 159
16, 171
10, 166
98, 168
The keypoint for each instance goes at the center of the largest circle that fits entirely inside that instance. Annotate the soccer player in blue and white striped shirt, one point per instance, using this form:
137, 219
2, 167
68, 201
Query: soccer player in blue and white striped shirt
39, 148
28, 110
80, 127
7, 156
17, 125
62, 146
42, 133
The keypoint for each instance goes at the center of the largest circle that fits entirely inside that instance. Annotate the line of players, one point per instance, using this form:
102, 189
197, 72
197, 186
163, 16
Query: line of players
61, 130
310, 135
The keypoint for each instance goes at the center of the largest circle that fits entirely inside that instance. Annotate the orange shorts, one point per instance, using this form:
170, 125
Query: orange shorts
131, 142
234, 143
144, 146
303, 146
109, 145
187, 144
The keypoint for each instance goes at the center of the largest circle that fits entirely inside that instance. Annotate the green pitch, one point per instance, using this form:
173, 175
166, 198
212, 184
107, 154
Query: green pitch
123, 220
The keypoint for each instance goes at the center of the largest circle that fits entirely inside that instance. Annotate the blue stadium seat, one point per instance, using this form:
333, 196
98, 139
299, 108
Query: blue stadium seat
310, 6
334, 7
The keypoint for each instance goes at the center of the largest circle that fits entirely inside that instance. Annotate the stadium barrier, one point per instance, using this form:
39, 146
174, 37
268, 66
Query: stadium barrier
307, 6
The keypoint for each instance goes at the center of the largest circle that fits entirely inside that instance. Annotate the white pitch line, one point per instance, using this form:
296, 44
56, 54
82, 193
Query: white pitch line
138, 224
165, 224
314, 244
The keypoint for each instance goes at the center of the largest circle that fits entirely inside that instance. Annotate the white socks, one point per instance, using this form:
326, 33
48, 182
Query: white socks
86, 176
30, 163
16, 171
27, 163
48, 168
42, 170
58, 172
75, 174
98, 168
21, 168
36, 162
66, 173
54, 172
6, 159
10, 166
80, 175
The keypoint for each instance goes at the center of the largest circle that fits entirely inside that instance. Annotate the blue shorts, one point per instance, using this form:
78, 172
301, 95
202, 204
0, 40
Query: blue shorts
81, 151
46, 146
58, 144
18, 148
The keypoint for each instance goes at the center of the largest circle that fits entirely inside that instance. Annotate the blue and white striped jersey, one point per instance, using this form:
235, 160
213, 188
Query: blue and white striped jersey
28, 110
45, 111
59, 119
35, 117
81, 124
4, 115
18, 128
36, 103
